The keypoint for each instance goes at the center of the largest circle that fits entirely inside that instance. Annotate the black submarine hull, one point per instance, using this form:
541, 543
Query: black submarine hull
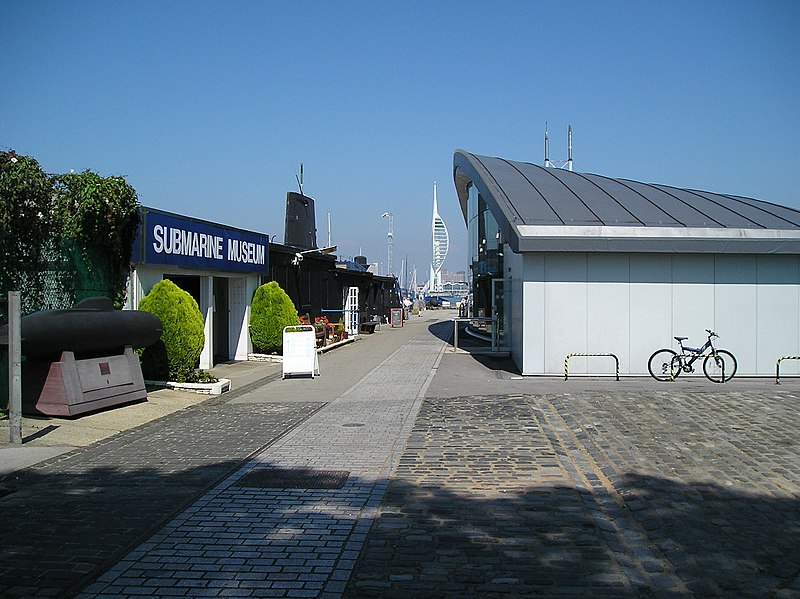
92, 327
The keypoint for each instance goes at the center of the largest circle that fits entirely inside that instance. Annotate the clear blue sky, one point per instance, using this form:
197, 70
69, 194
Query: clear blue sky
208, 108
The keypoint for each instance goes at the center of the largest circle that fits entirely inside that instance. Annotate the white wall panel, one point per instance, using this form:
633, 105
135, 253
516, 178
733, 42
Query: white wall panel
692, 296
533, 309
207, 310
778, 313
239, 317
608, 298
735, 308
565, 310
145, 279
631, 305
650, 308
514, 301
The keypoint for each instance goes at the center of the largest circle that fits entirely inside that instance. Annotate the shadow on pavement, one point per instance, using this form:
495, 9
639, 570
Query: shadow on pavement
591, 495
443, 330
71, 518
547, 541
502, 364
62, 531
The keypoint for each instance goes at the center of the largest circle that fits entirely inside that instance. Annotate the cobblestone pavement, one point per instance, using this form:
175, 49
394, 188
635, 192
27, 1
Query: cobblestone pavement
292, 521
425, 474
65, 520
592, 494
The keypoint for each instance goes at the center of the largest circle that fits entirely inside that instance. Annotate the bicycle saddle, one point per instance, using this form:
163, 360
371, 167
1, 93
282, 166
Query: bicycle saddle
681, 338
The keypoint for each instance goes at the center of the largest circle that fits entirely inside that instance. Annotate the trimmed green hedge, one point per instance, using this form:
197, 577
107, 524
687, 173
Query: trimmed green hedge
270, 311
175, 356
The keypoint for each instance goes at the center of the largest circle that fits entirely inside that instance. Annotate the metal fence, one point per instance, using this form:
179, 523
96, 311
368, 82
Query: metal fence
72, 273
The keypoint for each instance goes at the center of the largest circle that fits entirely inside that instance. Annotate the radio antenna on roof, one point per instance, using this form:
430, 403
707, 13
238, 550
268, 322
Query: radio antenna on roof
546, 147
300, 179
565, 164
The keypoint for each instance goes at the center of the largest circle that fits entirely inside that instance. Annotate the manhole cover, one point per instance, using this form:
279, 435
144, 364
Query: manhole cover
294, 479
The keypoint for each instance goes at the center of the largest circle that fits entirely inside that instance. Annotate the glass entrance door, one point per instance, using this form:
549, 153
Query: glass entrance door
501, 334
221, 321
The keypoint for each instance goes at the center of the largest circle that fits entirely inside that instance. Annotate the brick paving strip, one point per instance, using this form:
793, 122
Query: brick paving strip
592, 494
247, 537
70, 518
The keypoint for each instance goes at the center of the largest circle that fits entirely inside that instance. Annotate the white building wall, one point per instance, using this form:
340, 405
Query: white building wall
651, 318
632, 304
566, 318
514, 264
207, 307
692, 298
143, 279
241, 292
778, 313
241, 288
736, 301
529, 354
608, 312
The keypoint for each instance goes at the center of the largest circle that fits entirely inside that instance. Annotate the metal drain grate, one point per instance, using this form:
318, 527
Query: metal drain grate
294, 479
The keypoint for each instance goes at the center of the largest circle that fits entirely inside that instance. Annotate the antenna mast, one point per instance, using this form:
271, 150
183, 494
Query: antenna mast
569, 149
546, 147
563, 164
300, 180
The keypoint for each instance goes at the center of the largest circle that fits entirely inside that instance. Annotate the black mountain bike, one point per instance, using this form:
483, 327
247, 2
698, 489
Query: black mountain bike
719, 365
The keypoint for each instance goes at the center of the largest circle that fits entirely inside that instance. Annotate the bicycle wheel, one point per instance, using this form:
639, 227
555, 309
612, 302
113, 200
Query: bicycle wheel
720, 369
664, 365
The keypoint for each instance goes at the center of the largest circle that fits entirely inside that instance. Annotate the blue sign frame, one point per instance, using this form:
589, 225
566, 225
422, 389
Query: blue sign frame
174, 240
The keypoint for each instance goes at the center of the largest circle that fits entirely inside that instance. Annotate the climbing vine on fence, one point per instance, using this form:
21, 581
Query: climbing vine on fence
101, 214
63, 237
26, 226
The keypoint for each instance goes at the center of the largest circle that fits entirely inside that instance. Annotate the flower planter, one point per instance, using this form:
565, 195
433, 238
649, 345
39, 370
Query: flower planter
218, 388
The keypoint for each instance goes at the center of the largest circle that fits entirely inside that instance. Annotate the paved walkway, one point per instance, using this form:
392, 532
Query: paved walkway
408, 470
592, 494
251, 535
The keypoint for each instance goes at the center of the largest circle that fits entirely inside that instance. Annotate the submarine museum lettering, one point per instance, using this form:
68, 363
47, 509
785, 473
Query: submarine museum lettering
170, 239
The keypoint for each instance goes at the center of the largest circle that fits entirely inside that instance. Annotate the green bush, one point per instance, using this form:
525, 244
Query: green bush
270, 311
26, 229
174, 357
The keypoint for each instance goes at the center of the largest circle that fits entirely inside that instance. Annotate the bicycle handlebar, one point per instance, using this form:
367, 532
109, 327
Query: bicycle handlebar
711, 333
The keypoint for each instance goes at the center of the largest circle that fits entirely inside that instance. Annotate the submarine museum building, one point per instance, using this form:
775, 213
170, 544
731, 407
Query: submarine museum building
575, 263
219, 266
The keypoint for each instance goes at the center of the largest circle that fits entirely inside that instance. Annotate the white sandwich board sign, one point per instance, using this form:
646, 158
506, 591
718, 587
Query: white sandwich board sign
300, 351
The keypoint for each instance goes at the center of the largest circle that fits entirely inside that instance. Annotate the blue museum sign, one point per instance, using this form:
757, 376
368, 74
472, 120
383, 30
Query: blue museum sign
174, 240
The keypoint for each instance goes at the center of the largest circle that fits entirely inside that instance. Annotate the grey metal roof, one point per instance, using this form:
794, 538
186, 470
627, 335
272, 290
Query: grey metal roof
547, 209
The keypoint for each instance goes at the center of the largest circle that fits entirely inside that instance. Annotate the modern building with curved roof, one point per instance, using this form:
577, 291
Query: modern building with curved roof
581, 263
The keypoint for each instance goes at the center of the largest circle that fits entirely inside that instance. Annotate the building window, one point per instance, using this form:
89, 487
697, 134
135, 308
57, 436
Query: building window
486, 253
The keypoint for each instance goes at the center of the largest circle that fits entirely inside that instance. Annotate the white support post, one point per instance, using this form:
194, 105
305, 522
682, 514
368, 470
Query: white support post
208, 307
